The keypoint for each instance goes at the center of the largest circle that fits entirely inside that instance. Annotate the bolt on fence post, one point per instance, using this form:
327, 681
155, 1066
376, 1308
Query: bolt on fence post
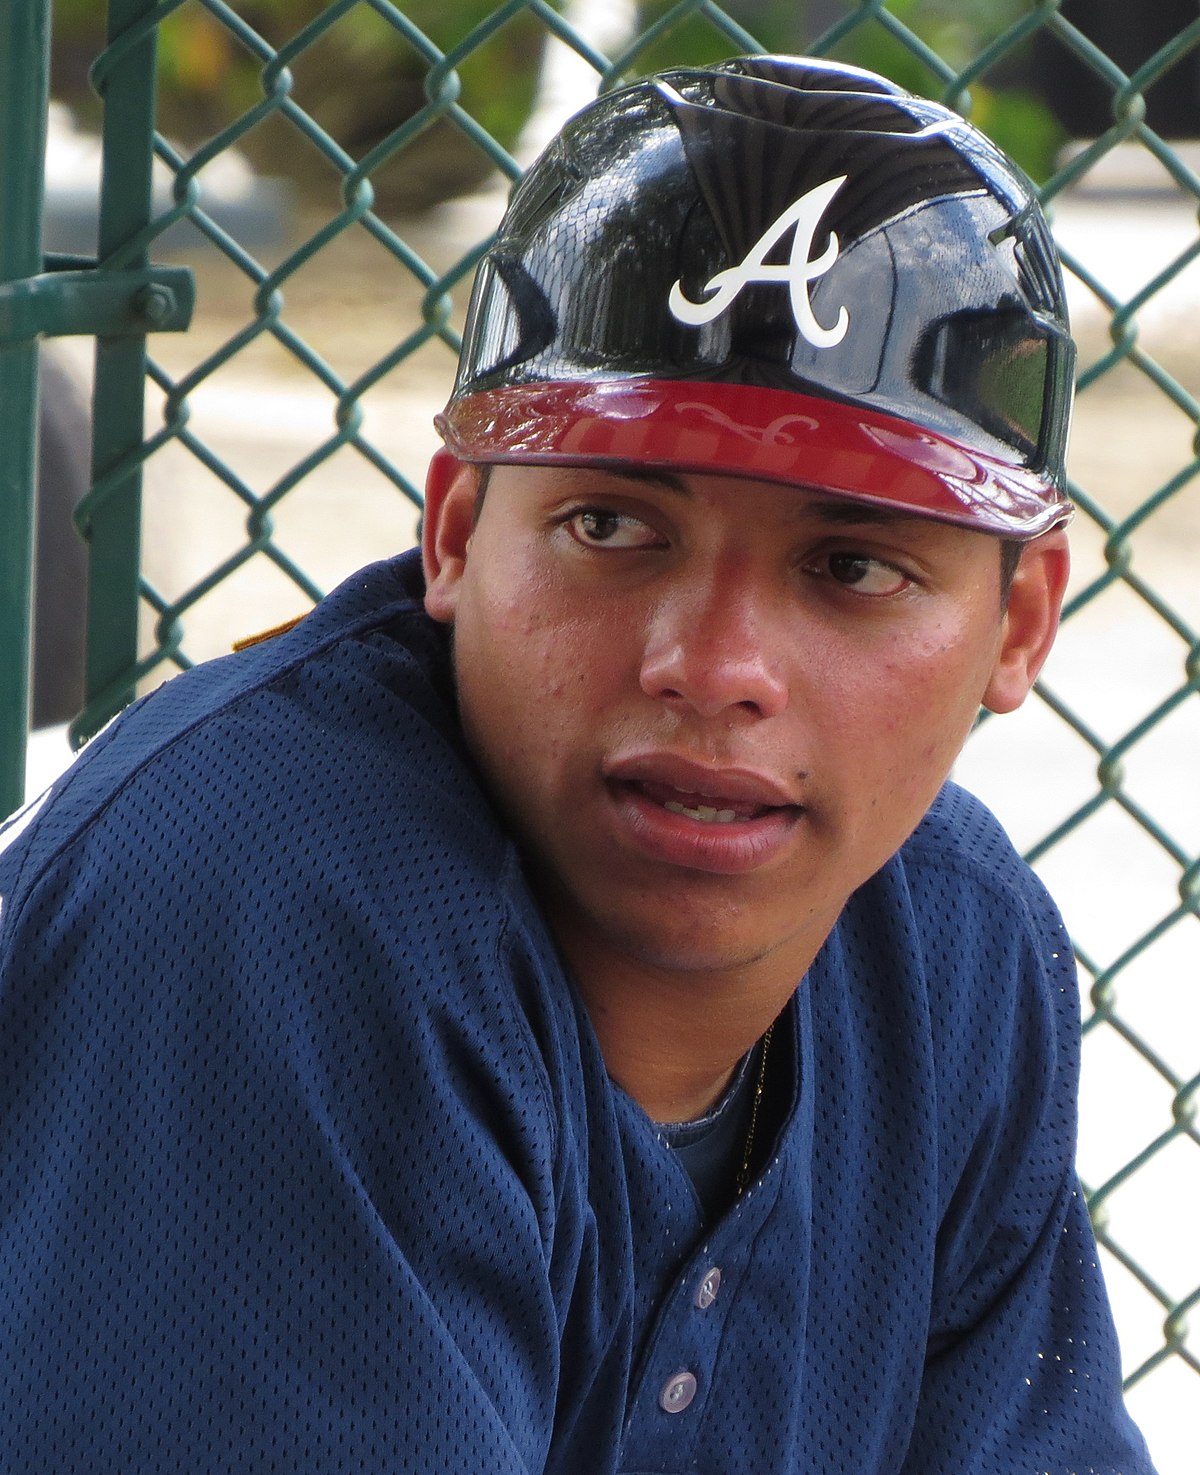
24, 99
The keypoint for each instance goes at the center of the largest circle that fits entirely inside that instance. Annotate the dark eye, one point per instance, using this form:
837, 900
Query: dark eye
598, 526
866, 575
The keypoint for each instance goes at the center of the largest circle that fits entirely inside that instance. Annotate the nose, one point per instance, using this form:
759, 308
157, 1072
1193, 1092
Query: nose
714, 648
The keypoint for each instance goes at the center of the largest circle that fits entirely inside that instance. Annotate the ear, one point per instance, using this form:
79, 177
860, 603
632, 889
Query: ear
447, 523
1030, 620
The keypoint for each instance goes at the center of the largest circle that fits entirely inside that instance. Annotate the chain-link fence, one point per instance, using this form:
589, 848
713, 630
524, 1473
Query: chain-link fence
280, 441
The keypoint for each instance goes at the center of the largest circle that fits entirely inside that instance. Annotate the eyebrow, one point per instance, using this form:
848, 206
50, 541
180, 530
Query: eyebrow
665, 479
837, 511
843, 511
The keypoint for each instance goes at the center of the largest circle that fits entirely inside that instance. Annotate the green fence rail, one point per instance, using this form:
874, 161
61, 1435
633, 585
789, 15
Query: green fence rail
281, 441
24, 81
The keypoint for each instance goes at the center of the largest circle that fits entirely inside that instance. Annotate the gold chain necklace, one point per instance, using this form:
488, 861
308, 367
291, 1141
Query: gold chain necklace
743, 1177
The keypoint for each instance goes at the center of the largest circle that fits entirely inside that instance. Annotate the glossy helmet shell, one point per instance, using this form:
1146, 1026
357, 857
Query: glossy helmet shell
780, 269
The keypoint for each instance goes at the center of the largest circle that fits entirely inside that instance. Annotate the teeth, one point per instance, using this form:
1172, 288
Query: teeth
703, 812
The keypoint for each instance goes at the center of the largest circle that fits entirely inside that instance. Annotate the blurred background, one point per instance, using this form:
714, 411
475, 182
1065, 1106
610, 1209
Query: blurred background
329, 172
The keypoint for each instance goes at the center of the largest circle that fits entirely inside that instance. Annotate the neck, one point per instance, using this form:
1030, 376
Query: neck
672, 1040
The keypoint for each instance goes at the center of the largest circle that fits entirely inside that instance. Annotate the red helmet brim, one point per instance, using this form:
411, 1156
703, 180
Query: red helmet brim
757, 433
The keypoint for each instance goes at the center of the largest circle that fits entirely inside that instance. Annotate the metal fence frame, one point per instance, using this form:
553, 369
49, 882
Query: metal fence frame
24, 92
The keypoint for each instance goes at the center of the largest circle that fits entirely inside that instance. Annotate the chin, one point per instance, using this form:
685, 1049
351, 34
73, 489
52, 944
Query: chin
687, 947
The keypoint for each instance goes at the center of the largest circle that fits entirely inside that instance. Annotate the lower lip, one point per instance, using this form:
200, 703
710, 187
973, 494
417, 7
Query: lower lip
729, 849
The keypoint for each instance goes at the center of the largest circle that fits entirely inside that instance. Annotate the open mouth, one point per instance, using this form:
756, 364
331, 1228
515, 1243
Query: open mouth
728, 820
713, 809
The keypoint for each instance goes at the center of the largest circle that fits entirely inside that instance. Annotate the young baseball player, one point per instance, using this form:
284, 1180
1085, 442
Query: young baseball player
548, 1011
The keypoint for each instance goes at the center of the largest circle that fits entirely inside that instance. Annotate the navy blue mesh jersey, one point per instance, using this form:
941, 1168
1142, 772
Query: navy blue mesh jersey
309, 1161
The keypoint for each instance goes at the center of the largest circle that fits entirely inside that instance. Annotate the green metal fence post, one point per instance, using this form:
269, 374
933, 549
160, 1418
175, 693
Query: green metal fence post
113, 511
24, 95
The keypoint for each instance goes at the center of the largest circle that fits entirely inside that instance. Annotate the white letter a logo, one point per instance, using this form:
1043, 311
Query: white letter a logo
802, 219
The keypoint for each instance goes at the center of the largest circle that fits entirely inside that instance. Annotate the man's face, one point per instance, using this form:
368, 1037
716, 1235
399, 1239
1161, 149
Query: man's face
712, 708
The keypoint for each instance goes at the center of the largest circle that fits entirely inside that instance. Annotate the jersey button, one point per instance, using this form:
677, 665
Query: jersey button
706, 1291
677, 1392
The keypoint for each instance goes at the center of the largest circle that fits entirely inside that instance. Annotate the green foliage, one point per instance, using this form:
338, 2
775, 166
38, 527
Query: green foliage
1023, 126
364, 77
696, 40
363, 49
956, 30
360, 79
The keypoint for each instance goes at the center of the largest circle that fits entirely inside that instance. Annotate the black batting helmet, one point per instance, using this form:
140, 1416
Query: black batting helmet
784, 269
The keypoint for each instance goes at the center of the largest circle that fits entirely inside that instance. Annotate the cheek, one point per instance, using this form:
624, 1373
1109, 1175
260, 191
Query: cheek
533, 678
911, 709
